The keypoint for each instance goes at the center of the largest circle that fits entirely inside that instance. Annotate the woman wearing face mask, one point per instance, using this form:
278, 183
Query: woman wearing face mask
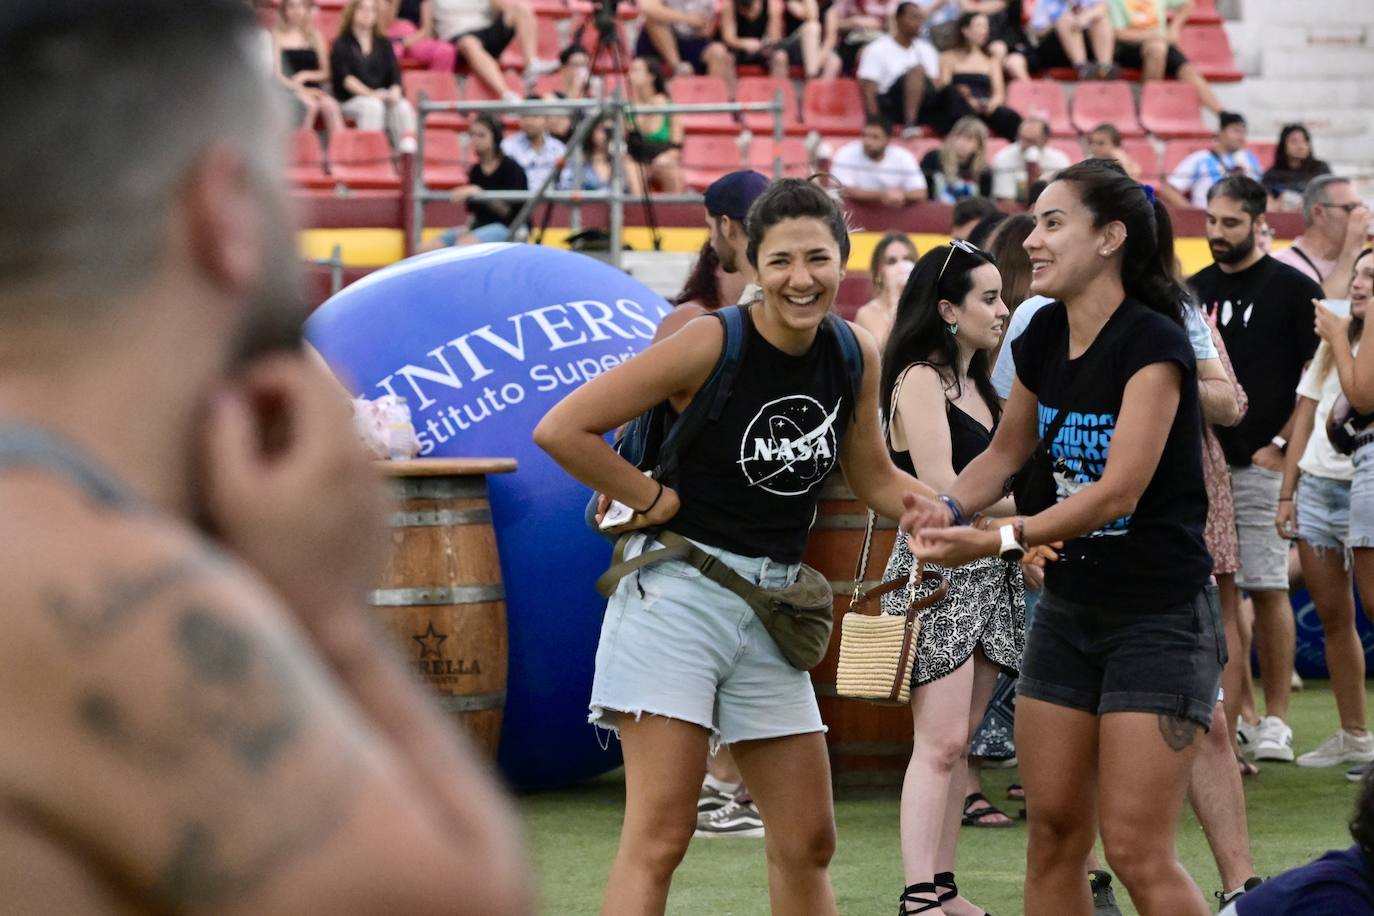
1318, 504
1124, 657
944, 413
893, 258
683, 663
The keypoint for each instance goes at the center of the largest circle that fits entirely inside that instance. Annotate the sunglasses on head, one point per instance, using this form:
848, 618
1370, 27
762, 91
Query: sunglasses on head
965, 247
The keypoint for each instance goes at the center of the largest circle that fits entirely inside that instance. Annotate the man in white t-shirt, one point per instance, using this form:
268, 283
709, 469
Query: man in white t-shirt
873, 170
481, 30
897, 71
536, 150
1028, 160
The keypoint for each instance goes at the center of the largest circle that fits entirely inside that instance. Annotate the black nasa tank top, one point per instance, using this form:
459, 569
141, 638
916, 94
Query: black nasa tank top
749, 482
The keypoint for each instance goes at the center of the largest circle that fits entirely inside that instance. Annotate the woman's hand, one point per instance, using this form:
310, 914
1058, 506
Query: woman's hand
663, 509
1286, 521
1330, 326
922, 513
954, 546
462, 193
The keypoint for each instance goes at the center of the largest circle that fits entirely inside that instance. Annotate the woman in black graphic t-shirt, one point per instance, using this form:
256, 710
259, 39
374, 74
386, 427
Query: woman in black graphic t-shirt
683, 663
1124, 657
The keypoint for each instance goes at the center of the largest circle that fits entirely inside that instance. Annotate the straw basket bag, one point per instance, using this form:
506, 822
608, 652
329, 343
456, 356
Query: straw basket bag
877, 650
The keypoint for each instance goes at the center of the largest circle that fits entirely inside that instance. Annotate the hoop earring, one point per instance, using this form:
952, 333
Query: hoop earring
952, 328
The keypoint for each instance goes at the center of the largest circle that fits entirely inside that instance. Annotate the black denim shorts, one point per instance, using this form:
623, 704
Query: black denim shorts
1101, 659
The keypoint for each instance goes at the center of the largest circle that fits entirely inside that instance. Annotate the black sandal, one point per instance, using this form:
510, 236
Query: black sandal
946, 879
915, 895
977, 807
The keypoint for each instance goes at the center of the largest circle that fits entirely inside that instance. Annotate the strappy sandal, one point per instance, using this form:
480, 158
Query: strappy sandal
918, 898
1016, 792
945, 879
977, 807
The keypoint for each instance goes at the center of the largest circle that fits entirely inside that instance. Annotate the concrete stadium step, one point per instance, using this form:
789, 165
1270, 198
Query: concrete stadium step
1309, 11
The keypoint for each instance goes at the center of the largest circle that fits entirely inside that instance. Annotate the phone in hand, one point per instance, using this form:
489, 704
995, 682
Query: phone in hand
1339, 307
616, 515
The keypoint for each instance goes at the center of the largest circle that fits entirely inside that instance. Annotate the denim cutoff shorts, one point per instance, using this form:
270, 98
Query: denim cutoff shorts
1362, 499
676, 644
1323, 507
1103, 659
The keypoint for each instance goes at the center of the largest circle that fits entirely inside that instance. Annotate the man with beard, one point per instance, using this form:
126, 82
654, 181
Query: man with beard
1264, 312
197, 717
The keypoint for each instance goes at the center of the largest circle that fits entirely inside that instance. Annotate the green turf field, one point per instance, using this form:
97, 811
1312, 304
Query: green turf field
1295, 815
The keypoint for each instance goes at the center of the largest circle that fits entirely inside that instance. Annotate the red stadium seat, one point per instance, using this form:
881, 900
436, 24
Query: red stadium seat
762, 89
796, 162
1208, 49
833, 107
919, 146
1205, 11
1070, 148
1175, 151
446, 160
439, 87
1042, 99
307, 161
327, 21
361, 159
1095, 103
476, 90
703, 90
704, 159
547, 44
1264, 151
1171, 111
1143, 152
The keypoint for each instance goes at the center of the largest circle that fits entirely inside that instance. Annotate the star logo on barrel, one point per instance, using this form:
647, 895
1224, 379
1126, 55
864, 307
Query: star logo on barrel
431, 642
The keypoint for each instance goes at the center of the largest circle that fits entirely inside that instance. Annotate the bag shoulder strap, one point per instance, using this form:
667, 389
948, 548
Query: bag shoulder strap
1302, 254
853, 354
710, 399
675, 546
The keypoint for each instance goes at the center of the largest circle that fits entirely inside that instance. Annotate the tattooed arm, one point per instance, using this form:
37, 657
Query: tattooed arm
182, 741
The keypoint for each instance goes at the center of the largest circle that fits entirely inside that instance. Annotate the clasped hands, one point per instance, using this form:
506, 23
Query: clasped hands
933, 537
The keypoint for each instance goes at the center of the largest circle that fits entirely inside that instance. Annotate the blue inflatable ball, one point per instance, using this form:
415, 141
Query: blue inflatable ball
481, 342
1310, 658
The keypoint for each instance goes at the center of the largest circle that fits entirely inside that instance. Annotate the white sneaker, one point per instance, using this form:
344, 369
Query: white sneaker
1275, 740
1342, 747
541, 65
1247, 736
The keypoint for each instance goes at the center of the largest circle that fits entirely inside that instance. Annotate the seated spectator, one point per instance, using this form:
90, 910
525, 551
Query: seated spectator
772, 34
968, 214
1335, 222
1342, 881
1008, 43
959, 168
367, 78
1294, 166
1028, 160
410, 26
481, 29
300, 61
1105, 143
1187, 186
848, 27
1065, 28
574, 81
597, 165
874, 170
488, 221
1146, 42
894, 257
681, 35
970, 82
897, 70
655, 140
534, 149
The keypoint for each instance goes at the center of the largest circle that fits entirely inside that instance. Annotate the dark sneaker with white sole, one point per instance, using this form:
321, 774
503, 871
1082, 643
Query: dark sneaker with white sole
1104, 898
1355, 774
1227, 896
712, 799
735, 819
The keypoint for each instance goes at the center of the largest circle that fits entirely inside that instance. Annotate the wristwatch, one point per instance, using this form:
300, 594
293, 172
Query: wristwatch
1012, 550
1279, 443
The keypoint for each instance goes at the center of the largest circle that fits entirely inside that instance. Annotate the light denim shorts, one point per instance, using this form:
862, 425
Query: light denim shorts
676, 644
1323, 507
1362, 499
1263, 553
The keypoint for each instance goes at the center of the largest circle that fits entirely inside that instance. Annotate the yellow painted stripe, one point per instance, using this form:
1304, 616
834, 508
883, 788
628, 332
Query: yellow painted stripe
379, 247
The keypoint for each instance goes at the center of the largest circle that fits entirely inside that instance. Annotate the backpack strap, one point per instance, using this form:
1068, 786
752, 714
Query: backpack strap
852, 352
709, 400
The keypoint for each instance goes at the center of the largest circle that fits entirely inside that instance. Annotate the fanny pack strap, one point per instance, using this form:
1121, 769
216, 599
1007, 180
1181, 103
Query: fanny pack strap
677, 547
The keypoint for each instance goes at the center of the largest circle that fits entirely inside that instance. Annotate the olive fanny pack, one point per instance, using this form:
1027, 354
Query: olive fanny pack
799, 616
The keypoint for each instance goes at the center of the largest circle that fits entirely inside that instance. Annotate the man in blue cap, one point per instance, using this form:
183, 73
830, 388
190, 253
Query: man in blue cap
727, 203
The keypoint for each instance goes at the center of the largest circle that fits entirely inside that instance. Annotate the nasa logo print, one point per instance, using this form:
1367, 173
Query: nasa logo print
790, 445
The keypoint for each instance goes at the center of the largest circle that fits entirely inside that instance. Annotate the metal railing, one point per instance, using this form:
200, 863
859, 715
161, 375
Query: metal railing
336, 267
615, 196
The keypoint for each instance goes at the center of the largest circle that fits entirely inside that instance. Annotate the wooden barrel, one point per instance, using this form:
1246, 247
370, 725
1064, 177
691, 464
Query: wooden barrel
869, 744
441, 596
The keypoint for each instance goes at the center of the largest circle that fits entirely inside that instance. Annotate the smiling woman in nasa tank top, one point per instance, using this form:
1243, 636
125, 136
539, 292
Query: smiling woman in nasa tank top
682, 662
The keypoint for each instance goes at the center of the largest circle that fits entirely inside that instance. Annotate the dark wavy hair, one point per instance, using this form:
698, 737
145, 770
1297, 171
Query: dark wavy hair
1281, 159
1008, 253
919, 333
1110, 195
793, 198
702, 285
